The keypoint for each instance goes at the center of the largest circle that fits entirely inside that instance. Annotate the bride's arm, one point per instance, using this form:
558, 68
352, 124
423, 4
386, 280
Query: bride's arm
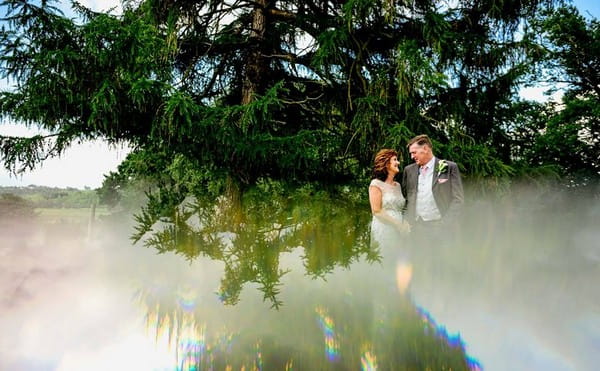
375, 199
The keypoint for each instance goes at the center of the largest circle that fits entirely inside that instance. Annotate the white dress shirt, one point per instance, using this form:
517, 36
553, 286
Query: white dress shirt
426, 208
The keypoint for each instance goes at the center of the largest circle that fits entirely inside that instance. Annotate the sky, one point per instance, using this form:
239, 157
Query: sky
588, 7
81, 165
73, 169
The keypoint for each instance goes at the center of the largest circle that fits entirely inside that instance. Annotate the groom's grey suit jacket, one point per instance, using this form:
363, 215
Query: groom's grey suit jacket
446, 187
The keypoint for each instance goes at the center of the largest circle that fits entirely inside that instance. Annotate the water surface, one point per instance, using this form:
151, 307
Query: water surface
298, 286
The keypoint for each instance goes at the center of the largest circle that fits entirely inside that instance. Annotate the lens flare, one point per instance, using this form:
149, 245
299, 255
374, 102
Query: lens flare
222, 295
404, 273
258, 363
191, 344
159, 323
187, 299
452, 340
368, 361
183, 337
224, 341
332, 348
289, 365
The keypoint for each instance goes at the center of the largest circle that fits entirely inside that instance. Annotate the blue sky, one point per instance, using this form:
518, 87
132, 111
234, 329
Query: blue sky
84, 165
588, 6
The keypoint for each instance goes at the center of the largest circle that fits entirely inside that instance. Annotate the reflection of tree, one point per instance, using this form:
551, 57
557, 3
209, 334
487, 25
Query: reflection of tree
331, 328
250, 234
334, 336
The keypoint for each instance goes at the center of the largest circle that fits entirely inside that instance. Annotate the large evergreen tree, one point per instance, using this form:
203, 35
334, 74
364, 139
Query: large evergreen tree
209, 92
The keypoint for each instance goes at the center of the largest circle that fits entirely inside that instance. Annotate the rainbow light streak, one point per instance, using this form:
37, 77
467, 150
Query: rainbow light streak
258, 363
332, 348
474, 364
191, 344
368, 361
452, 340
160, 325
222, 295
225, 342
182, 336
187, 300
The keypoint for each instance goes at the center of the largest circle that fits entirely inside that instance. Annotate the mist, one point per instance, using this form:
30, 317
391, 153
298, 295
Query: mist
516, 280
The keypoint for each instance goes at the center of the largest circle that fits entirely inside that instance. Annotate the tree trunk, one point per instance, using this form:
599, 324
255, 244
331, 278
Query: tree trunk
256, 66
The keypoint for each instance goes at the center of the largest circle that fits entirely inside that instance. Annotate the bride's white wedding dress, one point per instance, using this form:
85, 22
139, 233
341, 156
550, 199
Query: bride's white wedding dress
384, 234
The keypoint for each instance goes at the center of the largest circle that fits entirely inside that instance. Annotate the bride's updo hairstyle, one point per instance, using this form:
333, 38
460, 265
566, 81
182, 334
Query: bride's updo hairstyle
382, 159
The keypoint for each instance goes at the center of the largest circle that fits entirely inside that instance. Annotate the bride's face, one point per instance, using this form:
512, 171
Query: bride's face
392, 166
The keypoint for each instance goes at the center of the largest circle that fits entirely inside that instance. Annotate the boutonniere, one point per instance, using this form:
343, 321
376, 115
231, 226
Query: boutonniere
442, 167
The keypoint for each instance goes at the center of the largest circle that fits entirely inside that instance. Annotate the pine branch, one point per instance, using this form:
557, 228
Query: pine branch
20, 154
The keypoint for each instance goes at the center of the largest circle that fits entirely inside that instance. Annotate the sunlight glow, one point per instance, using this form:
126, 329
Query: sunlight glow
182, 337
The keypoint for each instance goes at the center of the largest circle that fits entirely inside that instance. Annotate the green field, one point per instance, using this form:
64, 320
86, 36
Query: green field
69, 214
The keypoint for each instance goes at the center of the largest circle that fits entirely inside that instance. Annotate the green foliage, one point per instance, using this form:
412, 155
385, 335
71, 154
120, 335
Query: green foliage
249, 231
565, 142
573, 47
251, 107
565, 137
21, 154
211, 95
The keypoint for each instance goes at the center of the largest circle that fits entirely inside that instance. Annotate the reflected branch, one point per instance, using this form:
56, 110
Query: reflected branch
249, 236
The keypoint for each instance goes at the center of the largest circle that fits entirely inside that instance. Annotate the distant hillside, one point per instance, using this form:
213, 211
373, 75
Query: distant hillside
12, 206
50, 197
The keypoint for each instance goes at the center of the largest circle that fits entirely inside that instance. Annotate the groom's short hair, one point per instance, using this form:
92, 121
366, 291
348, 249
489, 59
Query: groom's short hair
421, 140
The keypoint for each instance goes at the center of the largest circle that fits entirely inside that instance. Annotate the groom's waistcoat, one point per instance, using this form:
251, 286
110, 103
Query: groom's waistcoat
446, 187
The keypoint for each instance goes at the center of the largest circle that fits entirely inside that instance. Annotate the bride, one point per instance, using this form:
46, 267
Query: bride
387, 201
387, 204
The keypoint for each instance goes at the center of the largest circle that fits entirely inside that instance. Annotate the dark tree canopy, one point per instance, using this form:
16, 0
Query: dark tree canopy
211, 93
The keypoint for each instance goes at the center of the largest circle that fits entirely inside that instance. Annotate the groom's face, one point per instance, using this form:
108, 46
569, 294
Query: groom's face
421, 154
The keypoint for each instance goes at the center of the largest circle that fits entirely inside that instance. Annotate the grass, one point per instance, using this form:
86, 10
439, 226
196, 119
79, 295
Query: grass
69, 214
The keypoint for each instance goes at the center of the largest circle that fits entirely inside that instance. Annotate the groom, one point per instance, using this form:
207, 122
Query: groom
432, 187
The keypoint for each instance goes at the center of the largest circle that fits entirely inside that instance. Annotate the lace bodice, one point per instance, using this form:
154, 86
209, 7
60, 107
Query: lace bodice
391, 195
383, 234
